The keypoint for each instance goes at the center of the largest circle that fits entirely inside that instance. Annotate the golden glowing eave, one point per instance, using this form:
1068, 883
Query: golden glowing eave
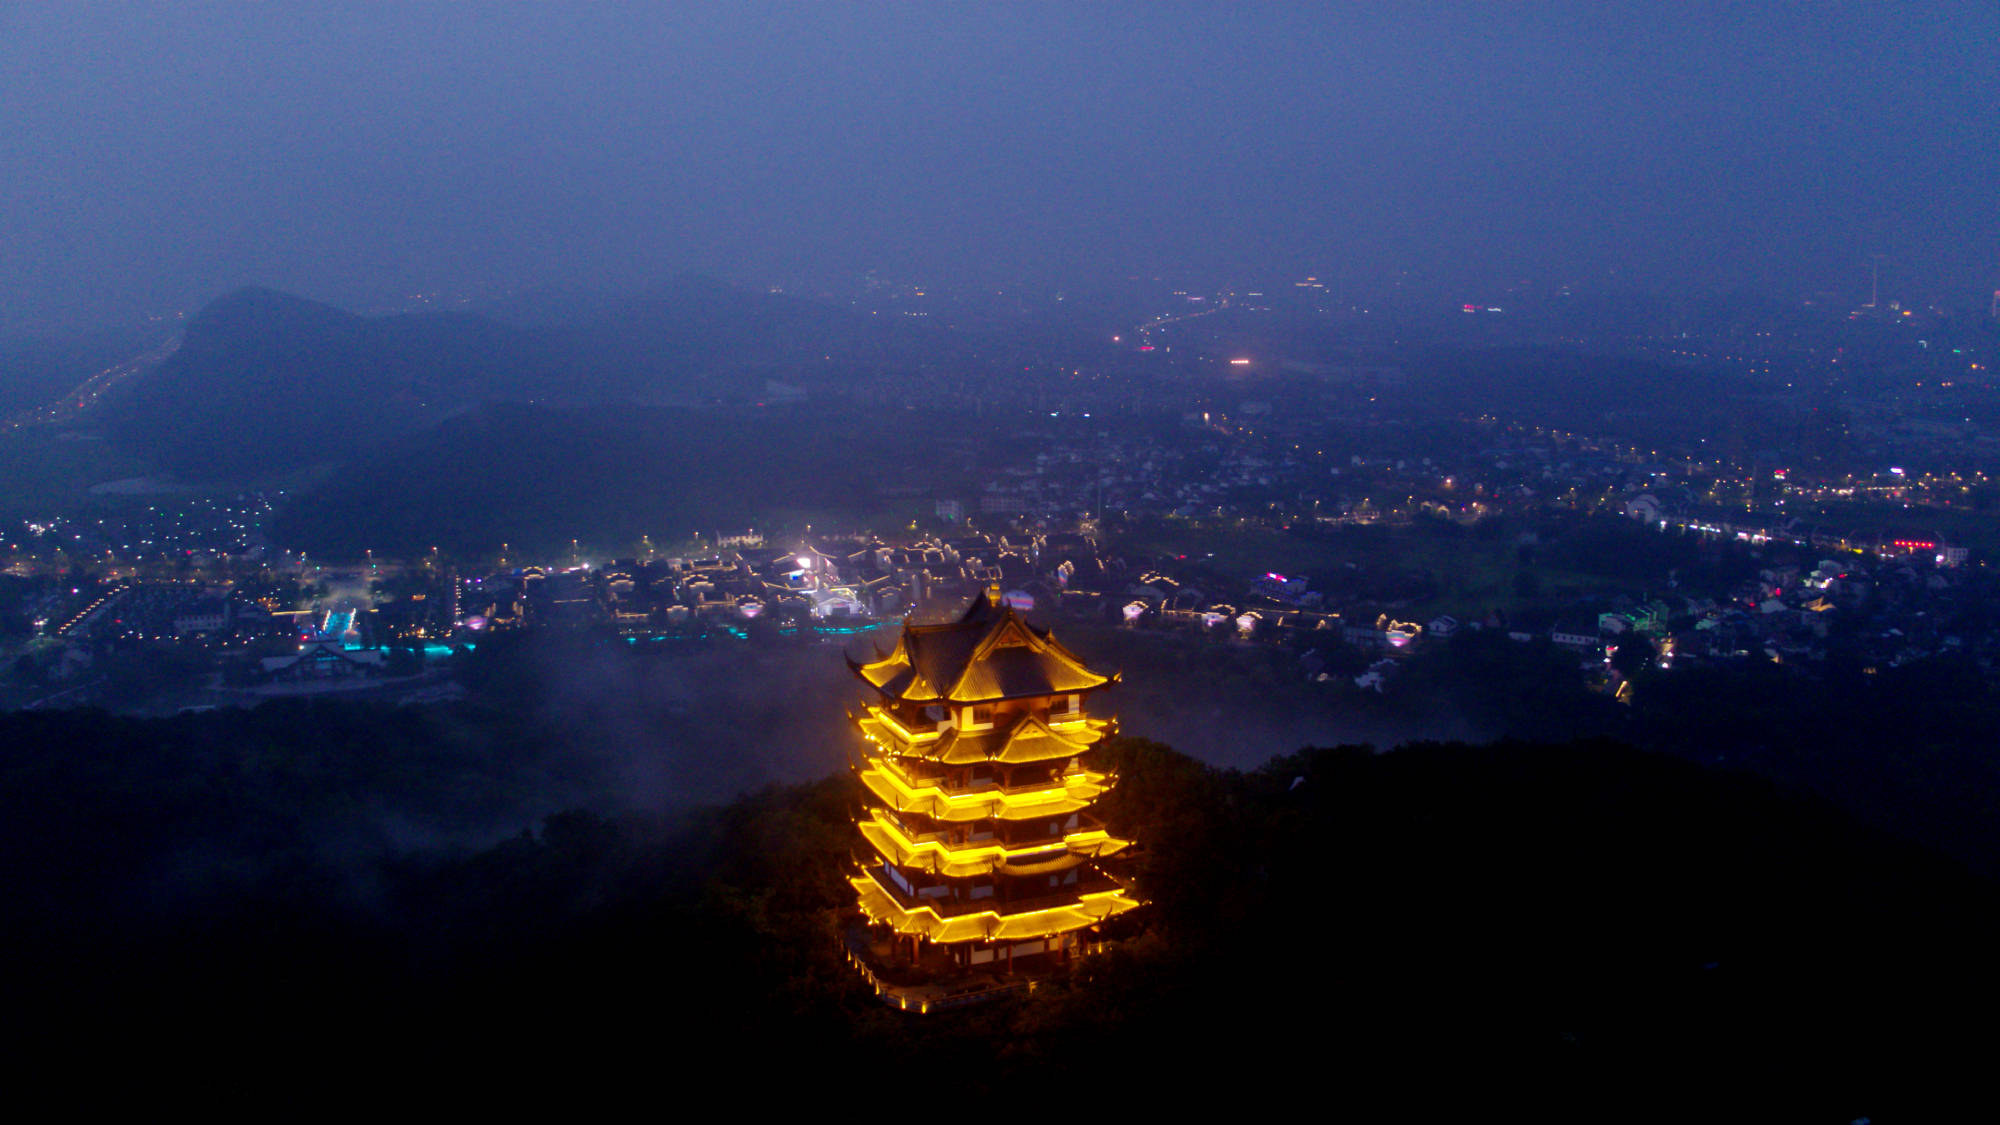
882, 727
988, 654
980, 681
974, 727
885, 671
1076, 791
940, 858
990, 925
1031, 740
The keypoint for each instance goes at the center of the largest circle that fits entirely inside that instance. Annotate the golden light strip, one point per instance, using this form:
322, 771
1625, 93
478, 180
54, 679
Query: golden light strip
972, 860
1076, 792
907, 735
987, 925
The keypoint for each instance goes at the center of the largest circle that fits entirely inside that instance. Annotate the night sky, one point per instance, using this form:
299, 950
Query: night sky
153, 156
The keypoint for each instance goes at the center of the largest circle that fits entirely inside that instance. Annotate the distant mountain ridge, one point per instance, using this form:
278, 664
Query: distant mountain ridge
267, 382
538, 476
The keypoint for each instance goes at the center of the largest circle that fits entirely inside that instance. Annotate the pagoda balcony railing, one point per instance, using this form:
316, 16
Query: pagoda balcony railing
993, 785
948, 908
1020, 787
1085, 822
947, 837
913, 728
990, 840
919, 777
1059, 721
889, 786
943, 836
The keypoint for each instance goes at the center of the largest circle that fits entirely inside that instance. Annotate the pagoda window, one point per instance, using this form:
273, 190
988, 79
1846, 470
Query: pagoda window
982, 890
979, 717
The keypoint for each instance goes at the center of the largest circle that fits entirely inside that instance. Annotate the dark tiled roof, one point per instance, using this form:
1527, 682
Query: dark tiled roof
987, 653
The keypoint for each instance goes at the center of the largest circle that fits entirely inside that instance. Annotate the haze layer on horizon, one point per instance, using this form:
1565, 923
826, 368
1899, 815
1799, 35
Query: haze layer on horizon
155, 156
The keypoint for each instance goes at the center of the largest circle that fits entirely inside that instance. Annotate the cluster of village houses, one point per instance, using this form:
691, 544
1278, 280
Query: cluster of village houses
1894, 609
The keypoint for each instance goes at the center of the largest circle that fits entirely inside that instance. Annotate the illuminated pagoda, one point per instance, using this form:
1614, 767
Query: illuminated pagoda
980, 769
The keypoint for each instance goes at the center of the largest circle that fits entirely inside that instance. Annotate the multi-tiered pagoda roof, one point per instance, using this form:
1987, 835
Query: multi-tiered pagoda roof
981, 765
987, 654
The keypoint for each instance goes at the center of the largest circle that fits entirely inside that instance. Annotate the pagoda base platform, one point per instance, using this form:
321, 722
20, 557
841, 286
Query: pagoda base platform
936, 981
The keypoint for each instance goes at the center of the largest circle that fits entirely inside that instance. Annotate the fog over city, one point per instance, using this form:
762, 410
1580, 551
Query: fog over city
960, 557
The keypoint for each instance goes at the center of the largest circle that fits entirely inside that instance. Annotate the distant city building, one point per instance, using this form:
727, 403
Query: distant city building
322, 660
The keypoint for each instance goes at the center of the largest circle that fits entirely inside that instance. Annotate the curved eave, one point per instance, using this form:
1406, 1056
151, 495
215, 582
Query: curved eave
987, 655
1032, 741
1048, 866
894, 675
1017, 752
1037, 741
1075, 793
991, 925
982, 683
882, 729
982, 859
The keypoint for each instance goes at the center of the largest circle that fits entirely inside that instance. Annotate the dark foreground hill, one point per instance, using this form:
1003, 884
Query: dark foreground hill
1484, 924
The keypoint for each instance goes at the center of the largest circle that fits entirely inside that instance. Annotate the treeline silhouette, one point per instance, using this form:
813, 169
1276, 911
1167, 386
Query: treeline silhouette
1904, 748
251, 886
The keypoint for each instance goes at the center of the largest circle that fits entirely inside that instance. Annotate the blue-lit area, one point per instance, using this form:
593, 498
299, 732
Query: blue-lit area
429, 652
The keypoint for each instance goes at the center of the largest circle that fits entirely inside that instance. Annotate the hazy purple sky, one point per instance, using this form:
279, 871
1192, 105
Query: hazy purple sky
152, 156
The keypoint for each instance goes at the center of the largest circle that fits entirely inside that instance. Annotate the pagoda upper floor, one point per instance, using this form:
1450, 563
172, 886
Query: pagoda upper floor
988, 656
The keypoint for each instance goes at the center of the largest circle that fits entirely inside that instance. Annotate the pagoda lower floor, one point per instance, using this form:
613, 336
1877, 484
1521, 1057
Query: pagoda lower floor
1011, 912
920, 976
920, 951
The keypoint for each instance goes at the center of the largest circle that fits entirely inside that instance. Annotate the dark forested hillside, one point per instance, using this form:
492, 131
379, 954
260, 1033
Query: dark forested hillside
1553, 914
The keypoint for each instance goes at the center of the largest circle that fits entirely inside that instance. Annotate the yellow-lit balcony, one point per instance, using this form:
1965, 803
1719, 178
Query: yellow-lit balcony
941, 858
1015, 741
891, 733
1064, 795
990, 921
